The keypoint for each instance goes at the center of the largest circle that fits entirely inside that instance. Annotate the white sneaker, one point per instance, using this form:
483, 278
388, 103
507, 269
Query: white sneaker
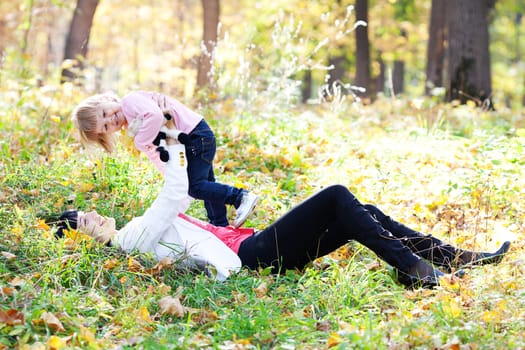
248, 202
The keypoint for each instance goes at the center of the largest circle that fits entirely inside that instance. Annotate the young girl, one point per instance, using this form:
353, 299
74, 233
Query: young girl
98, 118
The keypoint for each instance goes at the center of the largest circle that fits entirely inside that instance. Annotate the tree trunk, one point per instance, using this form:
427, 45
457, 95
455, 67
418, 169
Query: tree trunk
362, 75
211, 10
468, 51
25, 40
337, 73
306, 86
78, 37
399, 77
380, 80
436, 46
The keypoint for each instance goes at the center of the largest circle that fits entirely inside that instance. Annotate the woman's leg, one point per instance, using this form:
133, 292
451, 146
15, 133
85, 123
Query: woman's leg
306, 232
433, 249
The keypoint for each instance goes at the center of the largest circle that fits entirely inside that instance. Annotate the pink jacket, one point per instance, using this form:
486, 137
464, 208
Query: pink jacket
145, 105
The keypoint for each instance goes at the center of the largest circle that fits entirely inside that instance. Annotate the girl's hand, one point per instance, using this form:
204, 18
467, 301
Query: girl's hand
134, 127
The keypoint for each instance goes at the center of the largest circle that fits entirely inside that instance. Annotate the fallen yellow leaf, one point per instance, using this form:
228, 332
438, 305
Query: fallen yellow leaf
334, 339
41, 224
144, 314
55, 343
110, 264
87, 335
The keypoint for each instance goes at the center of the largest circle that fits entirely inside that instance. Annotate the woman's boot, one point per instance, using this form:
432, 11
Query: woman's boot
469, 258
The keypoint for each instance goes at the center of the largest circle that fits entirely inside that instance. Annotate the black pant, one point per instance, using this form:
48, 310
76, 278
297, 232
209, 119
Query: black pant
328, 220
426, 246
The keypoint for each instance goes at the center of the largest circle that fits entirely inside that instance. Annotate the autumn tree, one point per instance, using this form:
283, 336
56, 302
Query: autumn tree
78, 37
362, 74
211, 10
436, 46
9, 19
468, 59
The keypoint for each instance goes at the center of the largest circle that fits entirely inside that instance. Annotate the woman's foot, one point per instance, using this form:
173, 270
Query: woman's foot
468, 258
414, 282
421, 275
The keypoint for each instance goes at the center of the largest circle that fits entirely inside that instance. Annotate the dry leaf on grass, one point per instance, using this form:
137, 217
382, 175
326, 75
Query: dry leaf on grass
8, 256
11, 317
172, 306
52, 321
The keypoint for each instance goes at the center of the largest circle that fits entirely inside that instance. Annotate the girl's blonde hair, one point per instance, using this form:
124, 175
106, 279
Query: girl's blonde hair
84, 117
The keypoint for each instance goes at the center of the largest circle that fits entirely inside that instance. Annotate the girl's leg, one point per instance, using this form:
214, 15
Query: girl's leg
216, 210
432, 249
306, 232
200, 152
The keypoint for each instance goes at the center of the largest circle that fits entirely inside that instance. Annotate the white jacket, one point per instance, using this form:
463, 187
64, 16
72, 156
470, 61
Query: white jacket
164, 233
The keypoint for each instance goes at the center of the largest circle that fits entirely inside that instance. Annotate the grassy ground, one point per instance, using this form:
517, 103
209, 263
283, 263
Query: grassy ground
455, 172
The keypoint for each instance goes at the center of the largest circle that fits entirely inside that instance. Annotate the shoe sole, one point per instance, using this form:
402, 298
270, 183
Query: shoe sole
252, 207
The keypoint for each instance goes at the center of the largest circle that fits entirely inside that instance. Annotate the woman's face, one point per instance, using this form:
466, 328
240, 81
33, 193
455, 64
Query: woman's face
110, 118
96, 225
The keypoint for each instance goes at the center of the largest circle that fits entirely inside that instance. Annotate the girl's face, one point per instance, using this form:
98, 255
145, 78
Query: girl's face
110, 118
95, 225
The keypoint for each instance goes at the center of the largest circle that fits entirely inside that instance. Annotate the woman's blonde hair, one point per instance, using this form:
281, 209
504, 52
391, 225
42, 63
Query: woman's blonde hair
84, 117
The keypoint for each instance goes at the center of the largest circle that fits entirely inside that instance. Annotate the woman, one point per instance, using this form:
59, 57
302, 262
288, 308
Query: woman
316, 227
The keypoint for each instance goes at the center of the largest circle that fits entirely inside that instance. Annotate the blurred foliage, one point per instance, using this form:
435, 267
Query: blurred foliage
155, 45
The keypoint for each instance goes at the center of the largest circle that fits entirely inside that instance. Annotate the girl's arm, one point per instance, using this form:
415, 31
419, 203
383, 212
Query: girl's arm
140, 106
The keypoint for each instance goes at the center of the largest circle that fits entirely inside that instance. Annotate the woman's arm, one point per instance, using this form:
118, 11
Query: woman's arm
143, 233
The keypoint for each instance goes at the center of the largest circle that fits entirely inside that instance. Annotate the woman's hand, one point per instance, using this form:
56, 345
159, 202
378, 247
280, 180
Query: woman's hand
164, 105
173, 135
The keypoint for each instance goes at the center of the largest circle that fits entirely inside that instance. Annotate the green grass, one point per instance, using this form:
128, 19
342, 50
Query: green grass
458, 176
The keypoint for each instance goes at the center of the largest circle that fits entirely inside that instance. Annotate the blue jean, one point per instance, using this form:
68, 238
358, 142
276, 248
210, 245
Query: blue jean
200, 151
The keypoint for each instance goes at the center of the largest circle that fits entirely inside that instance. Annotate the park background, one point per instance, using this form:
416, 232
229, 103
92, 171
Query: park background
436, 139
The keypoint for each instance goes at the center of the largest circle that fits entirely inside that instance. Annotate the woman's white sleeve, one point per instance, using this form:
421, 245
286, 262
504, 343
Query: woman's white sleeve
144, 233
